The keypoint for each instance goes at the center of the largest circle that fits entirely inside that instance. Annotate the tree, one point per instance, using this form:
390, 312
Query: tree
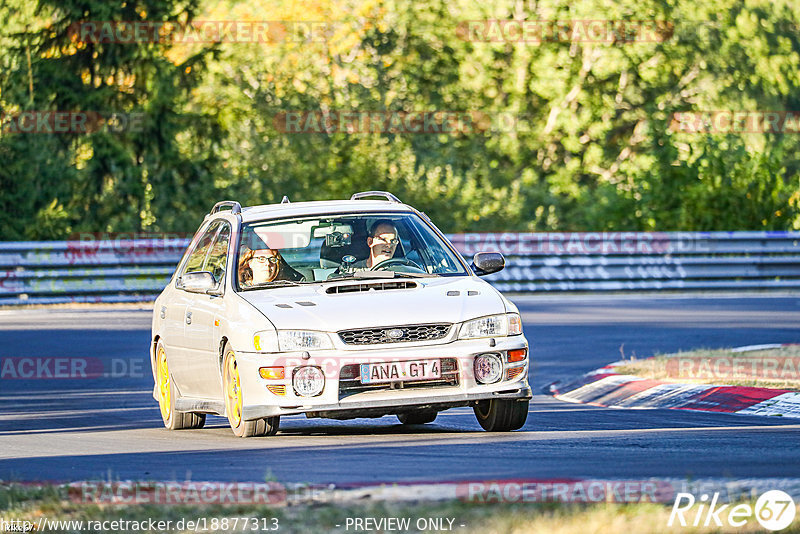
104, 179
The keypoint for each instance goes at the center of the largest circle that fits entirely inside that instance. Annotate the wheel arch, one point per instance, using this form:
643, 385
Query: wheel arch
153, 347
223, 344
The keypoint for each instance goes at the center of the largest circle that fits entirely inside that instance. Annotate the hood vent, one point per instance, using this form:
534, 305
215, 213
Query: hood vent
380, 286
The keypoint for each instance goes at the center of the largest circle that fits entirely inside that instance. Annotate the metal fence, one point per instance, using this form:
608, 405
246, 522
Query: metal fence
129, 270
630, 261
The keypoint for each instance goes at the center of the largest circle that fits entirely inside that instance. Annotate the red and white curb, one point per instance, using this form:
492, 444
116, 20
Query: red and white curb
605, 387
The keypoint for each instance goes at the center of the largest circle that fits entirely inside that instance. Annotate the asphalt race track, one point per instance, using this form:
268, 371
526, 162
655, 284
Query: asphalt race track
110, 428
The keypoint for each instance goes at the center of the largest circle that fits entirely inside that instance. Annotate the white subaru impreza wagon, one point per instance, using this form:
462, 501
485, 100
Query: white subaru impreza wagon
336, 309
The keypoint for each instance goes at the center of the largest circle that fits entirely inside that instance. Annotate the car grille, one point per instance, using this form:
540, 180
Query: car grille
350, 381
394, 334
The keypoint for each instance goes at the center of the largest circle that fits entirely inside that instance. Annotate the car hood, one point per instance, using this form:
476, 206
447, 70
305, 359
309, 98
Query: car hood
311, 307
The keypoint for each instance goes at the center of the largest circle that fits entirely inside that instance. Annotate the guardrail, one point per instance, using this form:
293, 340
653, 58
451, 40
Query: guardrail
88, 270
629, 261
129, 270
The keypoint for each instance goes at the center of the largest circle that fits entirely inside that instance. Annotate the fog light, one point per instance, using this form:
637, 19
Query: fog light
488, 368
308, 381
517, 355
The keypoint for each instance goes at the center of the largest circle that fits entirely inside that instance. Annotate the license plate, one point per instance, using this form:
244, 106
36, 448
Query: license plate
374, 373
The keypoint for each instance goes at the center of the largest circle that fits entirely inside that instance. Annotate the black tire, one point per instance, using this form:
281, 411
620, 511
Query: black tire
259, 427
189, 420
417, 418
499, 415
232, 395
173, 419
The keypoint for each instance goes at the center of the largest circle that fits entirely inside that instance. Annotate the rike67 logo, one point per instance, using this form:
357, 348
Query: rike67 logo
774, 510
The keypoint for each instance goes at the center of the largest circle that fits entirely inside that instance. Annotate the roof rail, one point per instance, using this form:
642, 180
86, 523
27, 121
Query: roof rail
236, 208
388, 196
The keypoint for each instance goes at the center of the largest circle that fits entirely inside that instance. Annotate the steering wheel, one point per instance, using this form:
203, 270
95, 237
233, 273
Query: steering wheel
382, 266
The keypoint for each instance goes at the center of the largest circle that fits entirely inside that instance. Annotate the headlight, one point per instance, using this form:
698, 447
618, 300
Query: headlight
303, 340
308, 381
514, 324
488, 368
506, 324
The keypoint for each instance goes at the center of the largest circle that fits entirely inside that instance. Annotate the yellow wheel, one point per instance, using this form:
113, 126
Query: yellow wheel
173, 419
164, 384
232, 384
233, 392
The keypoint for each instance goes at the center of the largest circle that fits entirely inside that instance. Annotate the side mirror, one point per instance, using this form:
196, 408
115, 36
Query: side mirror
484, 263
198, 282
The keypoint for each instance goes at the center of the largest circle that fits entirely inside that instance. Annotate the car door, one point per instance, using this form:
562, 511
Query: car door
176, 313
203, 317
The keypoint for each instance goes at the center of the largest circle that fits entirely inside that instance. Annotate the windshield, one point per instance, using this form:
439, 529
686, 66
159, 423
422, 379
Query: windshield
314, 249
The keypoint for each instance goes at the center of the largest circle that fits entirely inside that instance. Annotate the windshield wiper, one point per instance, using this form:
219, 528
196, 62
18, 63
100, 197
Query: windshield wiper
390, 274
414, 275
274, 283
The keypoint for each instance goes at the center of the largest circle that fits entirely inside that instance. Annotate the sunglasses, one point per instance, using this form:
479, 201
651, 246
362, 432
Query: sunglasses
265, 259
393, 241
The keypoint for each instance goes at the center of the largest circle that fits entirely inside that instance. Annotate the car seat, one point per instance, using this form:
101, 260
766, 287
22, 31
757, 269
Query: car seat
287, 272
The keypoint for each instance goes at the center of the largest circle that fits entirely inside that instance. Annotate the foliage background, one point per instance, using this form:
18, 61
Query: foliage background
592, 149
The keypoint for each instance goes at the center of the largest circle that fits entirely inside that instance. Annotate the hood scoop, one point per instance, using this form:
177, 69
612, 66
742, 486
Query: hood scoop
380, 286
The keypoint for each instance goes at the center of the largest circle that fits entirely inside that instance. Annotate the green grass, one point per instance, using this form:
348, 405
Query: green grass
33, 503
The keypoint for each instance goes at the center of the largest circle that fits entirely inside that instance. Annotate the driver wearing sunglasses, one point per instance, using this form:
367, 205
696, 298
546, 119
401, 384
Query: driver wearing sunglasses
382, 243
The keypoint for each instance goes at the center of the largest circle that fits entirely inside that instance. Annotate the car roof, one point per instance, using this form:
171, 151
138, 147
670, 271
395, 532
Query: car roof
299, 209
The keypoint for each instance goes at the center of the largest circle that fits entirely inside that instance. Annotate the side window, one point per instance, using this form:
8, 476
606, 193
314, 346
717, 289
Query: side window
407, 242
197, 256
217, 257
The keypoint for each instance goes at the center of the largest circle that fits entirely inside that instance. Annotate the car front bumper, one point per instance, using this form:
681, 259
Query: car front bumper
260, 402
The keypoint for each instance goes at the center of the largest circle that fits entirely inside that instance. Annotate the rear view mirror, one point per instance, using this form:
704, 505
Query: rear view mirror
338, 239
198, 282
484, 263
326, 227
